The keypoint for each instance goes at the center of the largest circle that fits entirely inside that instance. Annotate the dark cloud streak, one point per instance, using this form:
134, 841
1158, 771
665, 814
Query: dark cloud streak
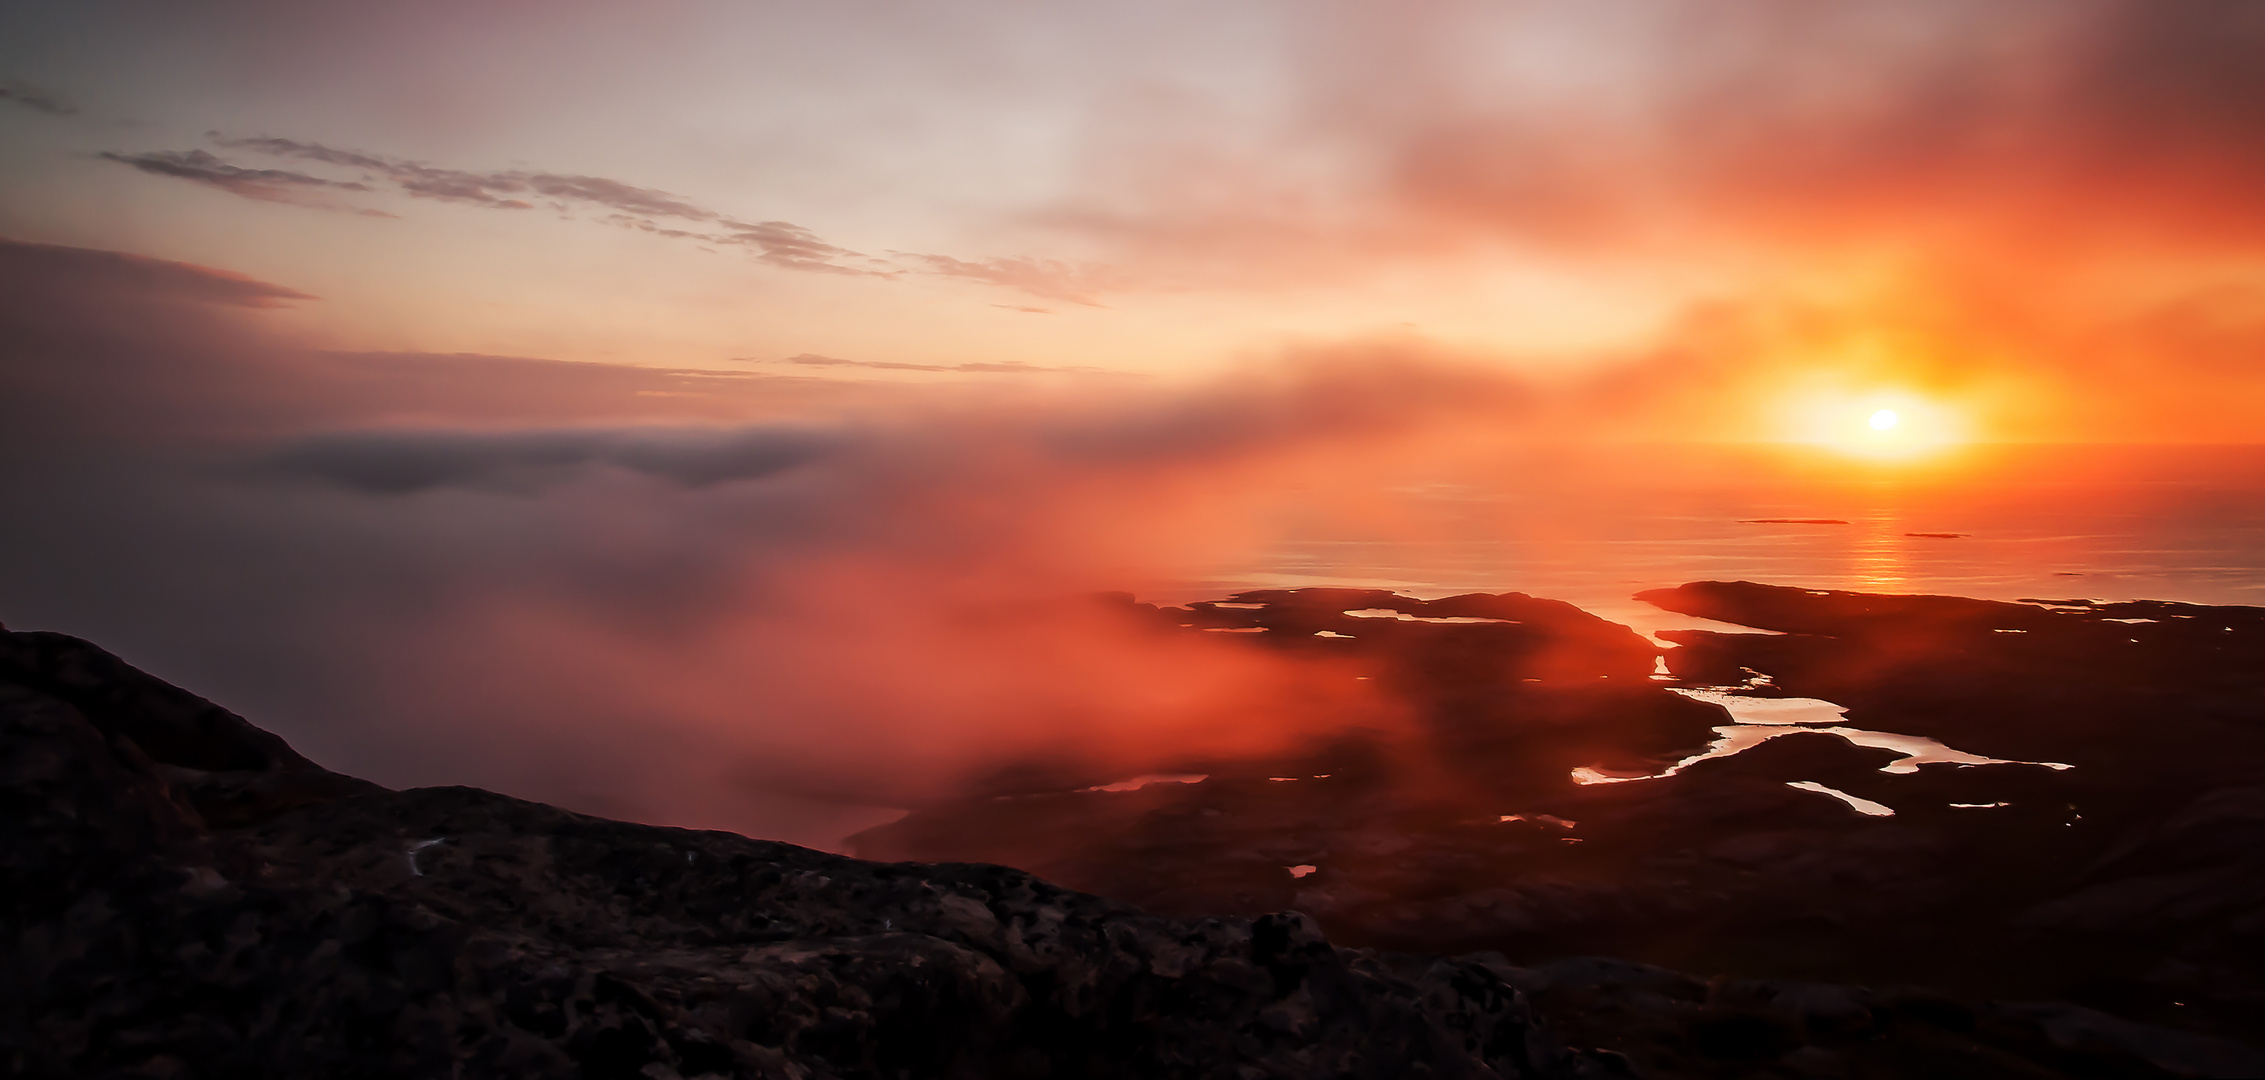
144, 277
33, 97
198, 166
392, 463
777, 243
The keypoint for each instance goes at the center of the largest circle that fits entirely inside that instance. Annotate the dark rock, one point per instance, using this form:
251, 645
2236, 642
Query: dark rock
454, 932
230, 771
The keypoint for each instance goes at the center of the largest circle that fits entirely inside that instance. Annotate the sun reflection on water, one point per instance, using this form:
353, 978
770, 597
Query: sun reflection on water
1881, 558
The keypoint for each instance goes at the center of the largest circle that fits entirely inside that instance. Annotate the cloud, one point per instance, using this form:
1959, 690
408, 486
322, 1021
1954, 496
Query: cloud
1046, 278
496, 190
979, 368
198, 166
22, 262
792, 246
32, 97
777, 243
384, 462
194, 364
1595, 138
2025, 118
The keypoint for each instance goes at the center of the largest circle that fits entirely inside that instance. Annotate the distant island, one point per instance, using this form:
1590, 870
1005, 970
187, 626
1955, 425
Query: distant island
1901, 836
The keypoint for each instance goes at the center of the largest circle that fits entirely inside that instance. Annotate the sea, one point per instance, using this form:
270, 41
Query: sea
1595, 525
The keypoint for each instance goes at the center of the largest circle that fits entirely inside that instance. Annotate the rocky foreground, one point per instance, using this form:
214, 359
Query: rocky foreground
185, 896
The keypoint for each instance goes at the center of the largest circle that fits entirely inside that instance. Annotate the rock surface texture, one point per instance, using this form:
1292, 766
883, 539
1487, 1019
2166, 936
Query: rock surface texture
184, 896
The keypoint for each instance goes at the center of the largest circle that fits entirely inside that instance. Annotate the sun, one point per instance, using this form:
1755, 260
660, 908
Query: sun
1890, 425
1877, 423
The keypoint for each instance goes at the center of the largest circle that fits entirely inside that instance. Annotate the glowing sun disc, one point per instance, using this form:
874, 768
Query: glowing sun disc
1877, 423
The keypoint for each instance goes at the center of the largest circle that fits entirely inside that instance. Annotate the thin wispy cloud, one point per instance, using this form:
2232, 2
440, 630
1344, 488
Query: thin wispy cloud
611, 202
792, 246
266, 185
1047, 278
621, 204
607, 201
1005, 368
33, 97
504, 190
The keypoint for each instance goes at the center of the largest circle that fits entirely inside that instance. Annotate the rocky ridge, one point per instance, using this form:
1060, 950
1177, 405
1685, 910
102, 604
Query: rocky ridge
188, 897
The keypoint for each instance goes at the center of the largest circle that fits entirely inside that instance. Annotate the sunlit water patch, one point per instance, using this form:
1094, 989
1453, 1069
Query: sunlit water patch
1402, 616
1138, 782
1541, 819
1862, 806
1760, 719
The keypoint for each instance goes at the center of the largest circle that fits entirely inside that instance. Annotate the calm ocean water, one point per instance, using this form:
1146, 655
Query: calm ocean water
2104, 522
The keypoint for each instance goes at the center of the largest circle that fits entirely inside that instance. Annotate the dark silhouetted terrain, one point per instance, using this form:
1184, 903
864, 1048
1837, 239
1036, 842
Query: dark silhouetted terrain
185, 896
2132, 882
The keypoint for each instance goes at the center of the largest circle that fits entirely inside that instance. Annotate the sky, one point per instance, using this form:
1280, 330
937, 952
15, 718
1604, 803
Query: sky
2003, 204
681, 388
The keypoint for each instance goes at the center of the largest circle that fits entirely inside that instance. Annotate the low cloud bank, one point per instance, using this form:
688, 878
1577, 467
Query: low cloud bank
782, 627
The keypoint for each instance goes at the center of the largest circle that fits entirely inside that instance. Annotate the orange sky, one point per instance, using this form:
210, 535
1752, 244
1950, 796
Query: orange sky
2038, 215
